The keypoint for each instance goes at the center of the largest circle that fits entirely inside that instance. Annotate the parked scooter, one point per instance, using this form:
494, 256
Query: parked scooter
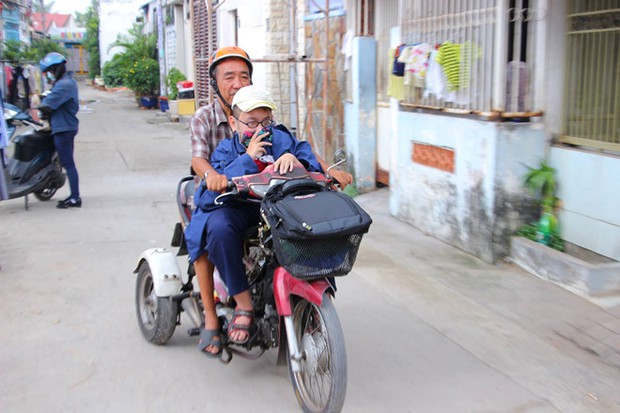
34, 167
308, 234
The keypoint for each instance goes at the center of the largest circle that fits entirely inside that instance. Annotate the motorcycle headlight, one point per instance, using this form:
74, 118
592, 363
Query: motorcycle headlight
261, 189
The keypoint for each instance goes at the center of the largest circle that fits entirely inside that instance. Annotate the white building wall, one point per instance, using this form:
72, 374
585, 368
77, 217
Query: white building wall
589, 189
115, 17
190, 70
179, 42
250, 32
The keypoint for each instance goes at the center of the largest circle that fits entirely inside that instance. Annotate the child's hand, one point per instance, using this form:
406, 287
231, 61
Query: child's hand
285, 163
256, 147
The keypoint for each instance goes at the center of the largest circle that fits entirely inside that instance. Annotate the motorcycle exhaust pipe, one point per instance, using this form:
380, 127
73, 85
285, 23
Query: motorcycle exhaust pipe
190, 306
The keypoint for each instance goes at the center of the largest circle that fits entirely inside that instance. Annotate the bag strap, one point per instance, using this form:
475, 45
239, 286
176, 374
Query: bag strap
301, 187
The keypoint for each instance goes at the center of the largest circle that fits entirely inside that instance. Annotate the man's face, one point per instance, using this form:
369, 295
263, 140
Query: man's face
231, 75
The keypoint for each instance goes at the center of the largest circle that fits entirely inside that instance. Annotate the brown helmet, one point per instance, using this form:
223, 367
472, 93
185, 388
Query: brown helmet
228, 52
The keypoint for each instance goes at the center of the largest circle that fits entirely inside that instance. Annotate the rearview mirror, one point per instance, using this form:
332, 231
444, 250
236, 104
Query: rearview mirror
340, 157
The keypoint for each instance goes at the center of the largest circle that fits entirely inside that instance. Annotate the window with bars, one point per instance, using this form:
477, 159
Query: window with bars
387, 17
592, 91
473, 56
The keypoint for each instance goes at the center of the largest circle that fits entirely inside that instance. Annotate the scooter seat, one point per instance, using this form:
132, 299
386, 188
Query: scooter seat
35, 139
29, 144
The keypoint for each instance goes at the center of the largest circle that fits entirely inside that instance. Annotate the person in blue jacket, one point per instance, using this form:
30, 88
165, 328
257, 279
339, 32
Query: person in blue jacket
64, 105
256, 143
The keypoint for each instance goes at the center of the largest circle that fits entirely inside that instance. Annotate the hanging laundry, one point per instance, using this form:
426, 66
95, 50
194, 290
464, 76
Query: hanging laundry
396, 86
415, 58
398, 68
19, 89
34, 78
437, 84
457, 60
8, 80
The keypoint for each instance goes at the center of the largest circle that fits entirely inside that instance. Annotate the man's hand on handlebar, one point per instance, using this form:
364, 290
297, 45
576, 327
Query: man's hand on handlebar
344, 178
216, 181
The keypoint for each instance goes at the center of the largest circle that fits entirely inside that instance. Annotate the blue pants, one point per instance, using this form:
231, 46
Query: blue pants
224, 242
63, 141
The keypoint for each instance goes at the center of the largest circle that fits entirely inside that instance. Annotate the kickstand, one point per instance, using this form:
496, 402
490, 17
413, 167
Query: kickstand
26, 206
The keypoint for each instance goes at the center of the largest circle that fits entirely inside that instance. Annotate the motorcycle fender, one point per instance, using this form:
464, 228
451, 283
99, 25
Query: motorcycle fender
285, 285
165, 270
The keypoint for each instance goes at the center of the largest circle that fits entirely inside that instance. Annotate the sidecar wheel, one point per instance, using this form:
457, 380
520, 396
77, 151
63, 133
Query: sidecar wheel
321, 385
157, 316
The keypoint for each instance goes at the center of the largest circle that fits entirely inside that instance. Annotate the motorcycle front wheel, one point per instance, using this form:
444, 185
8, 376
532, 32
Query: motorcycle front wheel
157, 316
321, 385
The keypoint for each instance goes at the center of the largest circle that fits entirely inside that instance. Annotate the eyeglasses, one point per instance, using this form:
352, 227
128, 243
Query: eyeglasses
254, 124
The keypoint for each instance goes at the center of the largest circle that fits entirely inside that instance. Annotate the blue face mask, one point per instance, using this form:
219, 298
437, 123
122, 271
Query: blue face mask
50, 76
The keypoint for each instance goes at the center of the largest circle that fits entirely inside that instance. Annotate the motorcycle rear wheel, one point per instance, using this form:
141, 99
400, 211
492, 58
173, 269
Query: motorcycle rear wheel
58, 180
45, 194
157, 316
321, 385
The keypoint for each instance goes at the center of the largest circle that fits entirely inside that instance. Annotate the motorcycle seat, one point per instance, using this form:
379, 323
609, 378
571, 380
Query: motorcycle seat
31, 143
35, 139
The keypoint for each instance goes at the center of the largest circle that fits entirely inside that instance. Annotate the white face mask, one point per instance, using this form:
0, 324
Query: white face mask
50, 76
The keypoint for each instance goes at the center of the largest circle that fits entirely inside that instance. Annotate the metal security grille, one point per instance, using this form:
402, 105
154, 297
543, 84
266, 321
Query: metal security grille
202, 23
480, 56
386, 18
592, 111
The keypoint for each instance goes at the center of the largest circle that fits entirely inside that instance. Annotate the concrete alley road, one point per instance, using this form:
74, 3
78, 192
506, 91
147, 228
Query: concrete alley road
428, 328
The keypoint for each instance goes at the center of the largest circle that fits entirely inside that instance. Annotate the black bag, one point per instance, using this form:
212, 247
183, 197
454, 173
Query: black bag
316, 232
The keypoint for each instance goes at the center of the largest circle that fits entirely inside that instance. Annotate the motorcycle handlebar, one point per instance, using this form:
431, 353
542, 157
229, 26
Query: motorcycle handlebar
231, 189
34, 122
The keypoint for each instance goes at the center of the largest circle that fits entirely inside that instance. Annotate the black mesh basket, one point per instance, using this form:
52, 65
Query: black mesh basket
309, 259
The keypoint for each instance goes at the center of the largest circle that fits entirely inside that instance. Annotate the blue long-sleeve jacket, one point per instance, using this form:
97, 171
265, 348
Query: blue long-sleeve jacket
63, 99
230, 159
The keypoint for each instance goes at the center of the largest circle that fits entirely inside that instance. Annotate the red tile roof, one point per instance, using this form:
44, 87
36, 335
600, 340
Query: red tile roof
61, 20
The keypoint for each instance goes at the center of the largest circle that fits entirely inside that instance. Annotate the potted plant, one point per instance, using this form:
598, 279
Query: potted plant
174, 76
542, 183
143, 79
138, 64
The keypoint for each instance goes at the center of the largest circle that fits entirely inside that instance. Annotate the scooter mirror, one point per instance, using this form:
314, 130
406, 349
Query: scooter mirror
340, 157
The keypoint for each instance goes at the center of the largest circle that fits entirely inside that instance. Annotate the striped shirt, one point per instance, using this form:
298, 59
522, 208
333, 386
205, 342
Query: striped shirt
208, 127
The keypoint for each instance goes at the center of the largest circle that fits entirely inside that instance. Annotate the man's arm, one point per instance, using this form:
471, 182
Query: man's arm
199, 130
214, 180
343, 177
